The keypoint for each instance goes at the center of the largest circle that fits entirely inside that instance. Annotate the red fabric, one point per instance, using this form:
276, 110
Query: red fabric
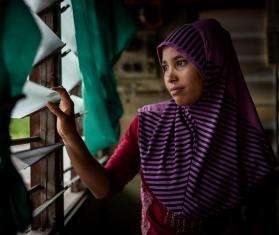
124, 163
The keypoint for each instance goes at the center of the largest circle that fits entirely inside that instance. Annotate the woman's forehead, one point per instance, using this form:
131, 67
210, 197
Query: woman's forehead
169, 53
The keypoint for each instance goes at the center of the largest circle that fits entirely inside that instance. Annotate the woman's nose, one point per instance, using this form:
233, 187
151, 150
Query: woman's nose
171, 76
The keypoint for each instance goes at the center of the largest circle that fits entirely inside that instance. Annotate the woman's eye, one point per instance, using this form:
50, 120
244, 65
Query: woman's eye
164, 67
181, 62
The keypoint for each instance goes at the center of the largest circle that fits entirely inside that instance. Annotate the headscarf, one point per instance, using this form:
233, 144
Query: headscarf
204, 158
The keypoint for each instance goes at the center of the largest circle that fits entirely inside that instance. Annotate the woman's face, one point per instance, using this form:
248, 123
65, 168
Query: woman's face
182, 79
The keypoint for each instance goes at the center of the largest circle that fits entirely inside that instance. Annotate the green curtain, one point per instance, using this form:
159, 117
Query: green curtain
19, 40
103, 30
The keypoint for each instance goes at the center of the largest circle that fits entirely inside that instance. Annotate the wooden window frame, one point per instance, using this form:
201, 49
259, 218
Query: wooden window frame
49, 171
47, 184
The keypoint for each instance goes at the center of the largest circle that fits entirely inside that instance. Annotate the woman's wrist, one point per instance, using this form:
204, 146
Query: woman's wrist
70, 137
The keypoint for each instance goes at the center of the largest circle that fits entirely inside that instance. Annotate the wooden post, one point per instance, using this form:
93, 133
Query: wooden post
49, 171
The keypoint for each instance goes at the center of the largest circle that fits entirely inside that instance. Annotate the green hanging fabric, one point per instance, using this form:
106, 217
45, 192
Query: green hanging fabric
103, 30
19, 40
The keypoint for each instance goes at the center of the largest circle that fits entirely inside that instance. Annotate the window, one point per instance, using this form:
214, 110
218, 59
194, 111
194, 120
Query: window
37, 150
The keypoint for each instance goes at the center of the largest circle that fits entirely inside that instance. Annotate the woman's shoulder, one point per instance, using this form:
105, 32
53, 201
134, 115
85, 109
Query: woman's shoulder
156, 107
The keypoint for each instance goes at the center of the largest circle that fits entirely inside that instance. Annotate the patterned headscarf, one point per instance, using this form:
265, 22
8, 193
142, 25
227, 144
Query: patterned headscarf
203, 158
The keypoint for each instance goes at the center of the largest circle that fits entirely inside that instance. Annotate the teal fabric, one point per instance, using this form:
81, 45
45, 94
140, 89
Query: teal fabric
103, 30
19, 40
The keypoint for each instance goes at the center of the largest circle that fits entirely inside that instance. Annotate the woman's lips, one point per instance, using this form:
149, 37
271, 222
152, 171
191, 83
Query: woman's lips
176, 90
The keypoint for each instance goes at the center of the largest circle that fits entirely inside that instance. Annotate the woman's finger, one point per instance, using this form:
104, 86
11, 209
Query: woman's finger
54, 109
62, 92
65, 98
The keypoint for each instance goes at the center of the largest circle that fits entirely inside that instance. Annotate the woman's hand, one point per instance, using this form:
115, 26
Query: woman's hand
89, 169
66, 126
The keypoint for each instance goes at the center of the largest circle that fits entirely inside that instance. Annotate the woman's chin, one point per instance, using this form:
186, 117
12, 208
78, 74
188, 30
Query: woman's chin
181, 102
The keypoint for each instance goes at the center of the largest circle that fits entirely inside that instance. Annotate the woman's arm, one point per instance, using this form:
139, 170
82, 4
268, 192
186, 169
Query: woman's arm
90, 171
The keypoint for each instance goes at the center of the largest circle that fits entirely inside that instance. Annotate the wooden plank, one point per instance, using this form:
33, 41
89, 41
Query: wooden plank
35, 188
49, 171
25, 140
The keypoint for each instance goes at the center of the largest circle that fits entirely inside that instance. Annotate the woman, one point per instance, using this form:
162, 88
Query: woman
201, 155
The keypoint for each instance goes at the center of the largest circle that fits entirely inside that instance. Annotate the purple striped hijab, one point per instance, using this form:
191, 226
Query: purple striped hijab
201, 159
